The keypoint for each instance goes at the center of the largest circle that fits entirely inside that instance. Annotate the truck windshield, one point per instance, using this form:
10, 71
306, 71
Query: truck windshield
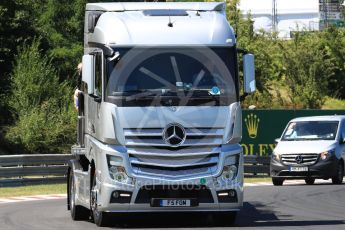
311, 130
179, 76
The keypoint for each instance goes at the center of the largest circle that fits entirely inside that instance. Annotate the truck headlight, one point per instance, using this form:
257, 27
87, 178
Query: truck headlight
325, 155
229, 172
118, 173
230, 168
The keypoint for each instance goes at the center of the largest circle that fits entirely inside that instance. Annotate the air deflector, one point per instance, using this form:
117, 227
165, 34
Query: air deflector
165, 12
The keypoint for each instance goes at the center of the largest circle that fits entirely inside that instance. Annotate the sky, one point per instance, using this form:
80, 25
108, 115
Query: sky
284, 6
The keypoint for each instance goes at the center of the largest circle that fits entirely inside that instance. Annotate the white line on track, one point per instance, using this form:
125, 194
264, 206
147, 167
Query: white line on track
31, 198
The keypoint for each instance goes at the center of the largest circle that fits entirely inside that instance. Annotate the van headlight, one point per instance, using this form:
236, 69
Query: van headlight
276, 156
327, 154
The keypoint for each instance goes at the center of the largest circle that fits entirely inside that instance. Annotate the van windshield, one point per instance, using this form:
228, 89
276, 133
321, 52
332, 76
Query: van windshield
311, 130
172, 75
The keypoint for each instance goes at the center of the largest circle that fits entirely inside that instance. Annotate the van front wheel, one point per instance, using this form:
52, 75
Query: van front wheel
338, 179
277, 181
309, 181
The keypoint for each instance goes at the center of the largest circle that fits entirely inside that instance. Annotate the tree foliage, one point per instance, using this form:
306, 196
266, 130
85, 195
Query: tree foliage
45, 118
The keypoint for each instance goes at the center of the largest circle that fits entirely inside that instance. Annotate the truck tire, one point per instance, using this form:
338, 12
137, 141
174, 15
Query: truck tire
77, 212
309, 181
338, 179
99, 218
224, 219
277, 181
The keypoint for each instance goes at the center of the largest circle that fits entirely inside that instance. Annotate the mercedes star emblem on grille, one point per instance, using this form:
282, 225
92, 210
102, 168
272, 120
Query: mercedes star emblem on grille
174, 135
299, 159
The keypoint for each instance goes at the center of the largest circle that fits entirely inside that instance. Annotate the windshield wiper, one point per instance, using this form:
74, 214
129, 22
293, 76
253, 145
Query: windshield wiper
302, 139
127, 92
202, 92
314, 139
134, 94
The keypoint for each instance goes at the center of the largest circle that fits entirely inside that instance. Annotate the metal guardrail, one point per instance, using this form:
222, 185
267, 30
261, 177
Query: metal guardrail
33, 169
52, 168
255, 166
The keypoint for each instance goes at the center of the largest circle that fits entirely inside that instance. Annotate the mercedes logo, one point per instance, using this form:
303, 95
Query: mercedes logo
299, 159
174, 135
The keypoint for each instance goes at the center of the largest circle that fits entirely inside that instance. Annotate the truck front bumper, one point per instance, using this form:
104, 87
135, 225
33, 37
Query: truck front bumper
208, 197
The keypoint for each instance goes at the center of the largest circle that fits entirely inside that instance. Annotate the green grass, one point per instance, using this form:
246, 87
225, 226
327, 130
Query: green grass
254, 180
333, 103
32, 190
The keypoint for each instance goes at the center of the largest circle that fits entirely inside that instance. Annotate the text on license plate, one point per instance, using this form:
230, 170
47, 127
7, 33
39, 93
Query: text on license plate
298, 169
175, 203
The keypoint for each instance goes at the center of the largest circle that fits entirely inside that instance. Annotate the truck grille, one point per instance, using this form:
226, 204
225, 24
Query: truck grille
299, 159
150, 155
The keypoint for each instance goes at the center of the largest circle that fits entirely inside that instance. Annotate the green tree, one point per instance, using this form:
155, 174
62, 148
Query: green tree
15, 28
268, 66
17, 21
332, 41
45, 118
61, 25
308, 68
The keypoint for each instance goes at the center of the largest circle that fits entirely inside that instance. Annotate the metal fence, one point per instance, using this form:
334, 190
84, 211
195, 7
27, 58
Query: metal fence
52, 168
33, 169
255, 166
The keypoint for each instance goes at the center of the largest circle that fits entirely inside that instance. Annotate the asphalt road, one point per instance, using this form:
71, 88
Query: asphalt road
266, 207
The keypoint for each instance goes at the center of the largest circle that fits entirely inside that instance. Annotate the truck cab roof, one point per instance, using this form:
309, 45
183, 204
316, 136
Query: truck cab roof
172, 23
130, 6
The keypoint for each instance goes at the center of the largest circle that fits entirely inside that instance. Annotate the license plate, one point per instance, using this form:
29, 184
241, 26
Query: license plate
171, 202
298, 169
175, 203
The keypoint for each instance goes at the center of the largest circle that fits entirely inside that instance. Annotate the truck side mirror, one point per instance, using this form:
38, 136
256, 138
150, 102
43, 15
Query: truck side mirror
276, 141
249, 73
87, 73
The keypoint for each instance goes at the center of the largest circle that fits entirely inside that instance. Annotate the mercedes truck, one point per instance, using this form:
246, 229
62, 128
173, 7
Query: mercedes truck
159, 115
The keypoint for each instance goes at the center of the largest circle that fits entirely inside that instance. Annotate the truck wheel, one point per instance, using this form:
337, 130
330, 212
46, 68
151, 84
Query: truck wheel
277, 181
77, 212
309, 181
99, 217
338, 179
224, 218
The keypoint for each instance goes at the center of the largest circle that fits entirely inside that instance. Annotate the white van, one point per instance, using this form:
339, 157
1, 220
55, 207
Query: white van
310, 148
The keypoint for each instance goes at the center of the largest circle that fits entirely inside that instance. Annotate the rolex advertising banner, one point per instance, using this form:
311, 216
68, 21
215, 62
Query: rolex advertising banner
261, 127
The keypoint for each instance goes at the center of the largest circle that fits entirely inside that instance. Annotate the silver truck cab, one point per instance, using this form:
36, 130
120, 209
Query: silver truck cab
159, 116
